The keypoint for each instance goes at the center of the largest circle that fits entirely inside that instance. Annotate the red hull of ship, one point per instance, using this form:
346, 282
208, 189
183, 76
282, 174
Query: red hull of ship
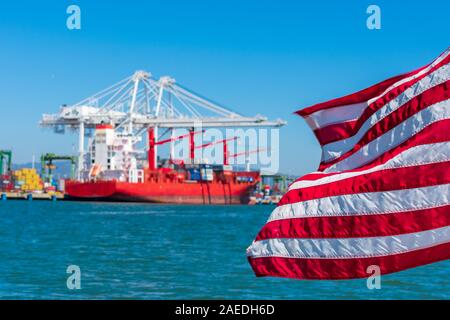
162, 192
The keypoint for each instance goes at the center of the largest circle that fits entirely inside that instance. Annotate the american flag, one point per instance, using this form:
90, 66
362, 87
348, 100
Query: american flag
381, 195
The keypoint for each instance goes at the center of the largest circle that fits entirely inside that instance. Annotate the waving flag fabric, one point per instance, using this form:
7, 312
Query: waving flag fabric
381, 195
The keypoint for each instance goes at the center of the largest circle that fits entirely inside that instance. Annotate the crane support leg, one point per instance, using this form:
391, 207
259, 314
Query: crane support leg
191, 145
225, 153
80, 150
151, 149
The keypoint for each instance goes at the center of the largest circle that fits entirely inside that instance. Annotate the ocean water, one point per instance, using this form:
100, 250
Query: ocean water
143, 251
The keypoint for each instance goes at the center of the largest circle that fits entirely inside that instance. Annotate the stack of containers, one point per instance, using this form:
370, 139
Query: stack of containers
5, 183
194, 174
207, 173
27, 180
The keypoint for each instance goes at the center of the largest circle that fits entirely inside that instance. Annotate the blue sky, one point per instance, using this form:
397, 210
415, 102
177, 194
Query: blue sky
267, 57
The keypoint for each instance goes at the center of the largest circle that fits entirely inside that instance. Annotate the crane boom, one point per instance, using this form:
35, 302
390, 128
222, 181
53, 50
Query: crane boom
139, 103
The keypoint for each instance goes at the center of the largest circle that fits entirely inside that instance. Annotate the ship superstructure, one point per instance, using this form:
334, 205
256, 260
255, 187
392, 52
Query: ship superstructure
111, 156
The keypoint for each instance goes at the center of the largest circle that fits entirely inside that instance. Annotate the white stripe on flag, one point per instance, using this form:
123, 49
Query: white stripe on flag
336, 149
316, 118
414, 76
394, 137
348, 247
382, 202
323, 118
418, 155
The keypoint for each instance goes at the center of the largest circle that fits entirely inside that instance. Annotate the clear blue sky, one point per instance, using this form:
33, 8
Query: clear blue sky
268, 57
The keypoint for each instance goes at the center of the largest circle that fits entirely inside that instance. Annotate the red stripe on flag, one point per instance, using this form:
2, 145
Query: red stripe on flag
376, 225
357, 97
346, 129
383, 180
365, 94
334, 269
436, 132
431, 96
336, 132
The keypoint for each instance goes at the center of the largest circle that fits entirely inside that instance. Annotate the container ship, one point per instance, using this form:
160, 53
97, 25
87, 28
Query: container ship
116, 120
113, 175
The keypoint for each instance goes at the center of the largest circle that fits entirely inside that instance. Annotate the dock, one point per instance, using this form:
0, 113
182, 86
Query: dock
30, 196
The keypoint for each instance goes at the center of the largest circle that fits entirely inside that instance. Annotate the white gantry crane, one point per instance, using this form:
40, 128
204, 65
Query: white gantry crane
140, 102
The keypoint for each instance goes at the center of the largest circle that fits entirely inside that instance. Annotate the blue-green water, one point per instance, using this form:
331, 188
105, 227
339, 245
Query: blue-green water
163, 252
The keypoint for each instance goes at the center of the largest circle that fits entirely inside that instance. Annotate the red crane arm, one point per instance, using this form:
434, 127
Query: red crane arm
247, 152
177, 138
215, 142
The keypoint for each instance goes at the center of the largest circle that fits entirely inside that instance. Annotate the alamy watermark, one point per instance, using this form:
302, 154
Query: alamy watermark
374, 280
245, 147
373, 21
74, 280
73, 21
